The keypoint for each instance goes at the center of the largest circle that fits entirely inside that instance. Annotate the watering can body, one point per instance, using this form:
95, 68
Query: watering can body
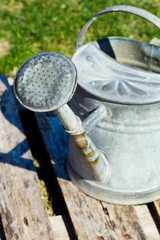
114, 123
122, 75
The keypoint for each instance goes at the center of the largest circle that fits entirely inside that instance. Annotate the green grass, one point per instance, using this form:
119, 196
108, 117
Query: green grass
32, 26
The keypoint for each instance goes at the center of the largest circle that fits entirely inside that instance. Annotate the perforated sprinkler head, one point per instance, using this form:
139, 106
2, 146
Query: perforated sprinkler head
45, 82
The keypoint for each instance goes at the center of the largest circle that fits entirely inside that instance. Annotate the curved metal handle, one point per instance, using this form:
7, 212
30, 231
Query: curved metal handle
118, 8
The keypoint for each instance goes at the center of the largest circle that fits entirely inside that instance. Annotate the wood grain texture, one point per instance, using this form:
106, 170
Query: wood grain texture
22, 209
59, 229
131, 222
92, 219
147, 223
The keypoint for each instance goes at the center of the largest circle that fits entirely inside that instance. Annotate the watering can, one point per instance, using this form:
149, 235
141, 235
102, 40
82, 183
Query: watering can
114, 116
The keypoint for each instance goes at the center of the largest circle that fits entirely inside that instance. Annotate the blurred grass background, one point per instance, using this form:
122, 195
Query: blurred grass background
32, 26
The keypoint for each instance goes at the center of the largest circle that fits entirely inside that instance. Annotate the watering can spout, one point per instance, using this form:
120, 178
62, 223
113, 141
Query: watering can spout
46, 82
96, 160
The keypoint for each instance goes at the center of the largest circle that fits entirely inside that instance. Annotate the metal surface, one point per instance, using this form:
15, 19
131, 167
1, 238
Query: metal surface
96, 161
118, 76
47, 81
120, 70
123, 75
101, 68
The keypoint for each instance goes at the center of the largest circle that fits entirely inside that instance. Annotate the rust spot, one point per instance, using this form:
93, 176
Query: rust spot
25, 221
100, 238
127, 237
82, 135
105, 211
81, 143
90, 154
80, 140
95, 162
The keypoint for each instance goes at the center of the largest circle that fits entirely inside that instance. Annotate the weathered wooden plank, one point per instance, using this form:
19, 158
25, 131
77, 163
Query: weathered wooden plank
91, 218
59, 229
22, 209
146, 222
86, 213
131, 222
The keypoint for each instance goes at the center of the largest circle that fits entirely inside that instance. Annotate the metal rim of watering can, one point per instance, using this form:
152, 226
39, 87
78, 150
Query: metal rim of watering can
117, 71
36, 85
102, 65
117, 8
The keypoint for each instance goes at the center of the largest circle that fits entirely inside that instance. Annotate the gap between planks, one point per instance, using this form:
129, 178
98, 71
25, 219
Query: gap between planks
58, 225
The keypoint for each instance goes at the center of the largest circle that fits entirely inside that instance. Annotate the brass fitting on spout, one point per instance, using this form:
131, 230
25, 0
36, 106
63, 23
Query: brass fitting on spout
94, 158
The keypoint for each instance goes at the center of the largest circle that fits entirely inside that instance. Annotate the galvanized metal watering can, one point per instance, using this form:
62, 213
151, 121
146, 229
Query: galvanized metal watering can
114, 155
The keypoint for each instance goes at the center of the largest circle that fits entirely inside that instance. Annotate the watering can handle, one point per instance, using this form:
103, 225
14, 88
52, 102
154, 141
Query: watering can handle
118, 8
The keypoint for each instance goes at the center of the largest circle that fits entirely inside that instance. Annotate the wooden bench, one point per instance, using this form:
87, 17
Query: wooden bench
22, 209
